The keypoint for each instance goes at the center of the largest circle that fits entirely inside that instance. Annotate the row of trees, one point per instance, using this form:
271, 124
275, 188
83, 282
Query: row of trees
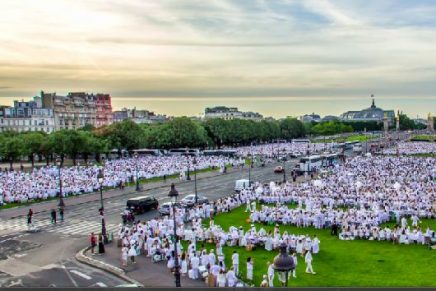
179, 132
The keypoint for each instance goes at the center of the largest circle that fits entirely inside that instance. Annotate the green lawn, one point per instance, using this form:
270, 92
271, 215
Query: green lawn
424, 137
359, 138
342, 263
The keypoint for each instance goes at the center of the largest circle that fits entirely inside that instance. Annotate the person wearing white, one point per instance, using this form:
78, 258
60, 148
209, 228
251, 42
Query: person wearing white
195, 263
221, 279
270, 275
308, 261
231, 278
295, 258
249, 269
235, 262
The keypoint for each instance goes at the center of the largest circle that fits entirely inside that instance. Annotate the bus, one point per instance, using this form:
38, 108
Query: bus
227, 153
184, 152
310, 163
301, 140
329, 159
148, 152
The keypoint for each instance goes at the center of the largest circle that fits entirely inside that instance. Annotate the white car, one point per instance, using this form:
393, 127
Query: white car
189, 200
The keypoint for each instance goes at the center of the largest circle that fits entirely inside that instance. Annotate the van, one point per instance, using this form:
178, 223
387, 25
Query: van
241, 184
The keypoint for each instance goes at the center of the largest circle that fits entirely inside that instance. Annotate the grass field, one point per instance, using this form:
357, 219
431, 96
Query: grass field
424, 137
342, 263
359, 138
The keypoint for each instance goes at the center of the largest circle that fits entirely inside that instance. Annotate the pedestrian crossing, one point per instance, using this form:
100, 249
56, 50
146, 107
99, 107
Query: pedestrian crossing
67, 228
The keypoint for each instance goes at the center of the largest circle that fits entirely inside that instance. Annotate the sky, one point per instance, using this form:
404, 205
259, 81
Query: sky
279, 57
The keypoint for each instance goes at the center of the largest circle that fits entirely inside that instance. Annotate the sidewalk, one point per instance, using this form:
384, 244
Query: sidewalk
144, 271
95, 196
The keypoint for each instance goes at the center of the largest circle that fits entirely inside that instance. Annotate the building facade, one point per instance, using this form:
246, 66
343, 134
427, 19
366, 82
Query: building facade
372, 113
27, 116
78, 109
229, 113
138, 116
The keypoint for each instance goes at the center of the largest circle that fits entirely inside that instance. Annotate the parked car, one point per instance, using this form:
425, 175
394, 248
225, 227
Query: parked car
189, 200
142, 204
278, 169
164, 209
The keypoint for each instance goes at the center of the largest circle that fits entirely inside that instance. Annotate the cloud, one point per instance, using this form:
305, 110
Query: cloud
219, 47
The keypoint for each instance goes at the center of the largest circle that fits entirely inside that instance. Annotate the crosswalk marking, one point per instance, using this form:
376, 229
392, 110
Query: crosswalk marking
74, 227
80, 274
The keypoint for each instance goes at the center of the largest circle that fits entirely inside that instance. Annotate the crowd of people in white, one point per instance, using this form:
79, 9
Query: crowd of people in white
274, 150
357, 197
42, 183
154, 239
412, 148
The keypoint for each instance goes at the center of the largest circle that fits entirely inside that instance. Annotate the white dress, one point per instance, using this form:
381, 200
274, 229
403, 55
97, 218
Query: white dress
250, 271
184, 268
269, 244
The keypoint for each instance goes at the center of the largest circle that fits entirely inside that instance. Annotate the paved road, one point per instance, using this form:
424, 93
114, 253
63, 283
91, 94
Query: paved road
46, 259
82, 219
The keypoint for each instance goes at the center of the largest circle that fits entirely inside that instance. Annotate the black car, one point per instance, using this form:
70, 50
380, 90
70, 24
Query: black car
142, 204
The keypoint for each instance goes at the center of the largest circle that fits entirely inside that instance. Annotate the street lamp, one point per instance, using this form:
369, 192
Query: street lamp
188, 177
174, 194
137, 172
194, 162
284, 166
283, 264
100, 178
61, 203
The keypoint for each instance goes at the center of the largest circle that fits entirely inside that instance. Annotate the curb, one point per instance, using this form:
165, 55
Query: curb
120, 273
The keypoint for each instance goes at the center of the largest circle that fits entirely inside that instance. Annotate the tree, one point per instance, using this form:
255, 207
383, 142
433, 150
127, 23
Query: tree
291, 128
180, 132
123, 135
12, 148
331, 127
406, 123
217, 130
32, 142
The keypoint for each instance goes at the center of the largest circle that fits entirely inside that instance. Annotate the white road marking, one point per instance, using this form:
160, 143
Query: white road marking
70, 277
100, 284
80, 274
20, 255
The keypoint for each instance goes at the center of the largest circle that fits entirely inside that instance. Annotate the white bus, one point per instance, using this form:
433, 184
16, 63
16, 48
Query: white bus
184, 152
308, 164
301, 140
148, 152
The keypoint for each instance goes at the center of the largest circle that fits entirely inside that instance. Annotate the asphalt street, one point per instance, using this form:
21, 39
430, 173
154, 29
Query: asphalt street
46, 258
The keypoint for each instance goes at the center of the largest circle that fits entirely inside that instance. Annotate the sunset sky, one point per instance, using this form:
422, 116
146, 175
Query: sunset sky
330, 54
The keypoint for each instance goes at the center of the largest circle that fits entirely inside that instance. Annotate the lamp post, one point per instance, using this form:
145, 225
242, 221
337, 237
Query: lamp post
194, 162
283, 264
284, 166
188, 177
100, 177
61, 203
137, 172
174, 194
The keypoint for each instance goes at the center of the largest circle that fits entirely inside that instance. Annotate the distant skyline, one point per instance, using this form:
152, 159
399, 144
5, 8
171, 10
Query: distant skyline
260, 55
276, 107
